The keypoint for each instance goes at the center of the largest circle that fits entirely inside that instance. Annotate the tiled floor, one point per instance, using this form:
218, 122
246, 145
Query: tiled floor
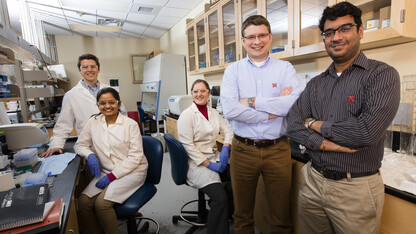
167, 202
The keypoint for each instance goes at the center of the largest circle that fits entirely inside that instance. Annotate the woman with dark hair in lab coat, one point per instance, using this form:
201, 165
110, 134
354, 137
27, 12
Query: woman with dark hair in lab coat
113, 146
198, 127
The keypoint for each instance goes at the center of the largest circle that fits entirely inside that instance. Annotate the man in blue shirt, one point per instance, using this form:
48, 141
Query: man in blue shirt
256, 94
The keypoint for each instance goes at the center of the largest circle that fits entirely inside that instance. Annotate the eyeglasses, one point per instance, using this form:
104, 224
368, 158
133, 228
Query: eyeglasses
91, 66
343, 29
201, 91
260, 37
103, 103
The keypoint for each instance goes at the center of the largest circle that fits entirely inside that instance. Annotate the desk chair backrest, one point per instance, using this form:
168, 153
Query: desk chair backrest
153, 150
178, 159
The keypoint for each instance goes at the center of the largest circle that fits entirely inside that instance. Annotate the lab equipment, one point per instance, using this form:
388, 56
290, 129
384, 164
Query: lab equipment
25, 157
179, 103
35, 178
23, 135
6, 180
163, 76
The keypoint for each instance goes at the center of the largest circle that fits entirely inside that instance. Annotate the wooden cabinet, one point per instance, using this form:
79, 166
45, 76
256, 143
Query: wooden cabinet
211, 38
190, 36
229, 33
294, 26
307, 40
395, 22
281, 25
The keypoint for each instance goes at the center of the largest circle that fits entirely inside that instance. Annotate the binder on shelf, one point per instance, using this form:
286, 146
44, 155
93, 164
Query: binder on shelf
23, 206
51, 223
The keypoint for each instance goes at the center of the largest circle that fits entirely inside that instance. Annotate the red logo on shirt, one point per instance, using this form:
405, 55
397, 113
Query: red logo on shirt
350, 98
274, 85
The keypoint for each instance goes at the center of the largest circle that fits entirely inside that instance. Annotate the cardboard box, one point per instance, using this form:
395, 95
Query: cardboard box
172, 127
372, 24
384, 13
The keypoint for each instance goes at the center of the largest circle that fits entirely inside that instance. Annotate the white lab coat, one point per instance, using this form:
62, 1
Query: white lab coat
78, 105
119, 149
198, 136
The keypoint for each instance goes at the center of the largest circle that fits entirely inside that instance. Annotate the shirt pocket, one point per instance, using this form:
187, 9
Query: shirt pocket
353, 104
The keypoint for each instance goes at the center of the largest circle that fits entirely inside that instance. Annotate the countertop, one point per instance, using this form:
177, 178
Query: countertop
297, 155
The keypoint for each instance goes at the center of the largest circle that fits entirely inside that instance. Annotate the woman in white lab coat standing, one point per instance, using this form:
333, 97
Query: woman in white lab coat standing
198, 128
113, 146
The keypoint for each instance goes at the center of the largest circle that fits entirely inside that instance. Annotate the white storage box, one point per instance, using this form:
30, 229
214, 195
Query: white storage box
26, 157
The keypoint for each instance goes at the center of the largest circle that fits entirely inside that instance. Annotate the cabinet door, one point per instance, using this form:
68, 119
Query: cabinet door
281, 24
229, 29
191, 48
201, 44
246, 8
308, 38
387, 22
213, 40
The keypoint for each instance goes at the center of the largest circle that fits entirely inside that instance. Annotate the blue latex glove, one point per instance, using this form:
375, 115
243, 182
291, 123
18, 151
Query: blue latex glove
218, 167
94, 165
103, 182
224, 155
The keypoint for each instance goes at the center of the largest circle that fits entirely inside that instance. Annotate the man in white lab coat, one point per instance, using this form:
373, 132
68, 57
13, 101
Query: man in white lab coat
78, 104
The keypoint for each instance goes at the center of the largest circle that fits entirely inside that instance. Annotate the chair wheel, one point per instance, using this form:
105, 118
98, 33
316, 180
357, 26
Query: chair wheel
144, 228
174, 220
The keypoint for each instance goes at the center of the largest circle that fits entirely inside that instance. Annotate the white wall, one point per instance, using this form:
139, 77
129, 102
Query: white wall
114, 55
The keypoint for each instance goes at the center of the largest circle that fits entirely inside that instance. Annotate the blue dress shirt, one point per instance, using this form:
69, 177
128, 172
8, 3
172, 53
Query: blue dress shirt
243, 80
94, 89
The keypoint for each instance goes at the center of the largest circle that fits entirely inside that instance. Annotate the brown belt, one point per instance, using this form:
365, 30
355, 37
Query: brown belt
259, 143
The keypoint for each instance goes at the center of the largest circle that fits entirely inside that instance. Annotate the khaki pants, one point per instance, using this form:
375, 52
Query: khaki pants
340, 206
274, 164
98, 214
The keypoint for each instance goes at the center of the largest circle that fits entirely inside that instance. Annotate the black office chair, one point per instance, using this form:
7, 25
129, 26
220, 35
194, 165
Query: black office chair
179, 165
153, 151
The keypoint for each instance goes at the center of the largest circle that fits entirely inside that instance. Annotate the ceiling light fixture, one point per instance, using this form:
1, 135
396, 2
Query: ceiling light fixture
147, 10
110, 22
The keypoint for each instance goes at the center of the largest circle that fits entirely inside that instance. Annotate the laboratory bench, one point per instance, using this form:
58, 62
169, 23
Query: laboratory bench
64, 186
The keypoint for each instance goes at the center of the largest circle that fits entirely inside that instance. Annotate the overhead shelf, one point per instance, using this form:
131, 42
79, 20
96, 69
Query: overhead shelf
13, 41
6, 61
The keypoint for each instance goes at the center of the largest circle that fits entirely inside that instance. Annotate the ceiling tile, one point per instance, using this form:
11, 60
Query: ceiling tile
46, 2
58, 14
134, 28
140, 19
160, 19
173, 12
112, 15
152, 2
127, 34
97, 5
52, 9
184, 4
136, 7
86, 19
164, 27
154, 32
